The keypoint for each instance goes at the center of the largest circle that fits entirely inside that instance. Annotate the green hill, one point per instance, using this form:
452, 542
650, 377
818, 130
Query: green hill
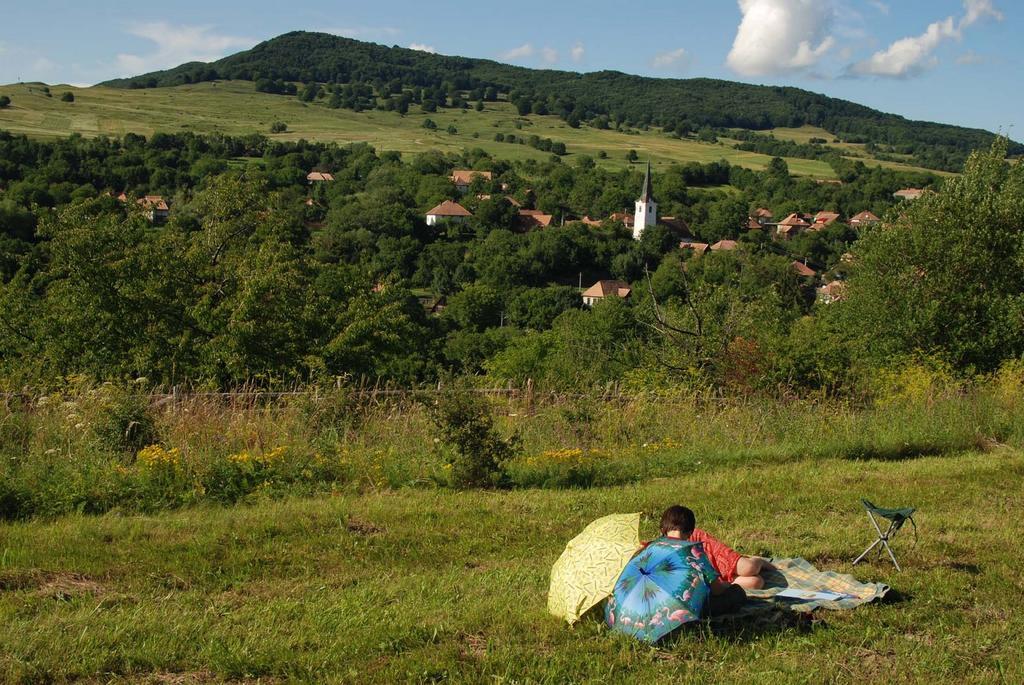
603, 98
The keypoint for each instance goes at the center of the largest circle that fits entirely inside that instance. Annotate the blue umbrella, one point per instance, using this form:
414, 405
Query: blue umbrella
664, 586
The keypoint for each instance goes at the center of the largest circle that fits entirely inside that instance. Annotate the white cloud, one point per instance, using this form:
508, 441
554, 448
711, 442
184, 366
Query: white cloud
578, 52
365, 32
423, 48
970, 57
779, 36
880, 6
523, 51
549, 55
176, 45
677, 60
912, 55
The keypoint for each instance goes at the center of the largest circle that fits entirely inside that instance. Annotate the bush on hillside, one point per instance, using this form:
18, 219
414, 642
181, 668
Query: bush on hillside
465, 425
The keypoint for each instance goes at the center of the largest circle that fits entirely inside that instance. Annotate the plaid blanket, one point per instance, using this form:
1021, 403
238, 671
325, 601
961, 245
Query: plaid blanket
798, 574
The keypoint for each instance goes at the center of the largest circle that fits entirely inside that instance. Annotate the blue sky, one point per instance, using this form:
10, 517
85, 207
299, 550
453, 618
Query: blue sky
954, 61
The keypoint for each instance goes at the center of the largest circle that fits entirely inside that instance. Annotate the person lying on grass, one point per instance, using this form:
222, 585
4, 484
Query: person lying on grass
679, 522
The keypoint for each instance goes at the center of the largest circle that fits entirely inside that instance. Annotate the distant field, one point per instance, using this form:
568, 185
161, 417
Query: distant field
233, 107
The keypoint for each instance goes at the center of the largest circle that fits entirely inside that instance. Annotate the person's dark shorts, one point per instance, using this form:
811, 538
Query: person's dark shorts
727, 602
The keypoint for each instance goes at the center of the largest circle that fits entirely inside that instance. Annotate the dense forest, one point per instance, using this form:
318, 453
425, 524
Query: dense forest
401, 76
262, 276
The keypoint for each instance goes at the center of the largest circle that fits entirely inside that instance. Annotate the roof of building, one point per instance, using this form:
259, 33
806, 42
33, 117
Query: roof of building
802, 269
762, 213
864, 217
508, 198
699, 248
625, 217
647, 195
319, 176
794, 220
156, 202
591, 222
909, 193
534, 218
449, 208
753, 224
826, 218
833, 291
725, 245
609, 288
465, 176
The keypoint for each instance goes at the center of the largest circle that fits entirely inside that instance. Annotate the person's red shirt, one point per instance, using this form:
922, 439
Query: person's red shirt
722, 557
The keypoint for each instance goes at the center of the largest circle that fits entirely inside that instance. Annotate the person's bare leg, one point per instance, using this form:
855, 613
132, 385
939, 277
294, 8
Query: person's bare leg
748, 572
752, 566
749, 582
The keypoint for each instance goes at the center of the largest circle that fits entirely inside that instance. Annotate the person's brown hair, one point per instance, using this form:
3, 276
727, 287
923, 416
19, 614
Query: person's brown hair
678, 518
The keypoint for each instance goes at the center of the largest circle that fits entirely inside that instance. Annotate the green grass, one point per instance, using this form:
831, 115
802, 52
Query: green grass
69, 453
236, 108
425, 586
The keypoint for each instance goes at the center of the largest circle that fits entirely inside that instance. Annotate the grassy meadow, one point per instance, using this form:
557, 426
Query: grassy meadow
422, 585
346, 557
235, 108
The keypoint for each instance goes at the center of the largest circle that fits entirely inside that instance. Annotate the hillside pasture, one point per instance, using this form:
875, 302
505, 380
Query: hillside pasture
235, 108
429, 586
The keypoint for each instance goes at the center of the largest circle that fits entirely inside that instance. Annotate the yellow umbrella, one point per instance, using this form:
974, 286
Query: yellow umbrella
591, 563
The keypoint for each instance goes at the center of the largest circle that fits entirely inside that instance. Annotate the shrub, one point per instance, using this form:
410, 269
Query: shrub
429, 124
465, 425
278, 127
5, 101
68, 96
123, 421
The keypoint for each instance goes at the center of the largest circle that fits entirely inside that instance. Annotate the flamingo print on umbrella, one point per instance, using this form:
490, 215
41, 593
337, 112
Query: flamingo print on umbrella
664, 586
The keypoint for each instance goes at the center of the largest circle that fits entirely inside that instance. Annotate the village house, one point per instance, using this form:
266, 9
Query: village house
694, 246
463, 178
448, 211
725, 246
534, 218
831, 292
862, 219
155, 208
909, 194
319, 177
824, 220
792, 225
752, 225
763, 216
604, 289
802, 269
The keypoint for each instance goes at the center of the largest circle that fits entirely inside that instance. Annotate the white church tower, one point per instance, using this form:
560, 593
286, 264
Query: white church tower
646, 208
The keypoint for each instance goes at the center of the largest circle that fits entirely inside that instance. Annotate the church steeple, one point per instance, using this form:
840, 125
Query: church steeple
648, 193
646, 207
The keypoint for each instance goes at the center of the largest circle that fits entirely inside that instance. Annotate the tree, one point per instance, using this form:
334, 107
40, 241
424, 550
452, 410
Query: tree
5, 101
278, 127
631, 156
68, 96
944, 278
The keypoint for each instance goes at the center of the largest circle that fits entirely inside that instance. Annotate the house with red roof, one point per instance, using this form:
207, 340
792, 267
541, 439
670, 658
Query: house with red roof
448, 211
792, 225
725, 246
605, 289
463, 178
534, 218
864, 218
802, 269
319, 177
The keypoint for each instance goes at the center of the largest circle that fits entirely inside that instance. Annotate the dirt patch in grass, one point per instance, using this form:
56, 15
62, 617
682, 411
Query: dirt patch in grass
59, 585
360, 527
